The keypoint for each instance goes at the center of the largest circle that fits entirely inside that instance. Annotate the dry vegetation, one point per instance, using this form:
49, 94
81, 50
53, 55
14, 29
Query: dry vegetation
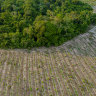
46, 74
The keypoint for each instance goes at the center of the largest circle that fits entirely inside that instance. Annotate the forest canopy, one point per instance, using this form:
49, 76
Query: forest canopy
34, 23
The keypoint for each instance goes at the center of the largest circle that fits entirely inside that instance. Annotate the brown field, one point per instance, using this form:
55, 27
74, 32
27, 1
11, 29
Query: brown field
49, 73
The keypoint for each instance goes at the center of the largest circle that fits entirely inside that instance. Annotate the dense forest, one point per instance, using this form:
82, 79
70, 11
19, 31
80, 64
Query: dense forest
34, 23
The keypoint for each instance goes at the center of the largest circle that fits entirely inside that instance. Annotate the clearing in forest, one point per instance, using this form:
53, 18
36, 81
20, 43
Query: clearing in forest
67, 70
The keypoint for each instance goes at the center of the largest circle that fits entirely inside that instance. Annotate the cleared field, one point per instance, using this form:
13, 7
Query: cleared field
50, 73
